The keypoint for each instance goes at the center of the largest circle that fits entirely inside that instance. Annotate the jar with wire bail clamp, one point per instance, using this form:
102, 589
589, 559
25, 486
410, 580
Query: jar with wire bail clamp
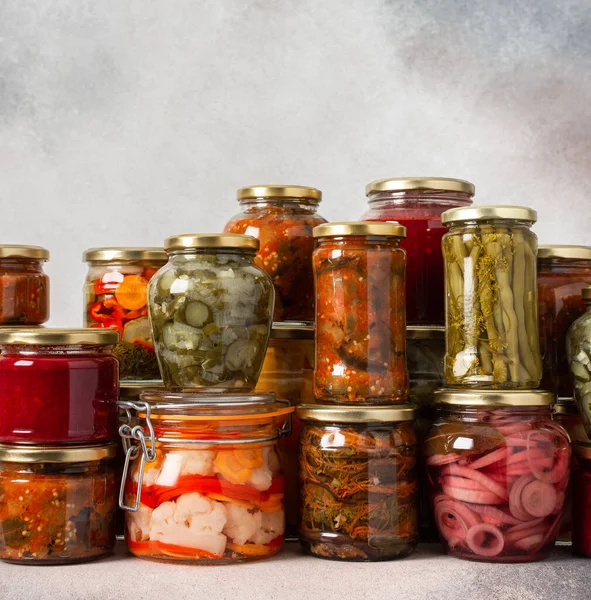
211, 309
202, 480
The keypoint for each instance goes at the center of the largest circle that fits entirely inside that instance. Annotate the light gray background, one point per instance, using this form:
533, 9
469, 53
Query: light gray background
125, 121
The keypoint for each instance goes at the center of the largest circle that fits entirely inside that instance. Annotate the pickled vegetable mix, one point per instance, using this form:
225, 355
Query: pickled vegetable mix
211, 311
360, 313
499, 470
491, 298
358, 482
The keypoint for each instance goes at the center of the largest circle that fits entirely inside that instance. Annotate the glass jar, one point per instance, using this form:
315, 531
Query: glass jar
57, 504
282, 217
578, 352
202, 478
358, 482
59, 386
211, 311
491, 298
417, 203
116, 298
498, 468
360, 316
563, 272
581, 506
24, 286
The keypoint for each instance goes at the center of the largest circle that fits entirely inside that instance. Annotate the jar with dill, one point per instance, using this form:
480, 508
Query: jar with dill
358, 482
492, 335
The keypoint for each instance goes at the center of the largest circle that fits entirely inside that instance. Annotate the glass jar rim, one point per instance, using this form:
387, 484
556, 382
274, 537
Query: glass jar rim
425, 332
41, 336
292, 330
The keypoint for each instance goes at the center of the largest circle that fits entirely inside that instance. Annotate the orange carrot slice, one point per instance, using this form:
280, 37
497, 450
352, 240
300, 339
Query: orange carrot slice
131, 293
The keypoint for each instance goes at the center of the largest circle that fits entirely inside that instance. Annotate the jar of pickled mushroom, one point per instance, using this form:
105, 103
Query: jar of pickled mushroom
202, 478
563, 272
59, 386
211, 309
581, 506
578, 352
24, 286
116, 298
360, 315
498, 468
57, 504
358, 482
417, 203
282, 217
491, 298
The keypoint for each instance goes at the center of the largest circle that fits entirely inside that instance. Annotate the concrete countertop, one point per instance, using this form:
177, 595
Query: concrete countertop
427, 574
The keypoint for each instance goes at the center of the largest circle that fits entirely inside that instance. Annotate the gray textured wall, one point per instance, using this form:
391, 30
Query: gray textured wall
124, 121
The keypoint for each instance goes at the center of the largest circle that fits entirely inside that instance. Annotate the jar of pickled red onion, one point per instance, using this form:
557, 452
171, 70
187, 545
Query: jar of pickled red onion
498, 468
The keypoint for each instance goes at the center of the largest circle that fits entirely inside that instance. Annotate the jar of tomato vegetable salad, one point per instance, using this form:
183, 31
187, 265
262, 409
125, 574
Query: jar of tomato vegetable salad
563, 272
499, 469
417, 203
360, 313
581, 506
59, 386
24, 286
358, 482
57, 504
202, 479
282, 217
116, 298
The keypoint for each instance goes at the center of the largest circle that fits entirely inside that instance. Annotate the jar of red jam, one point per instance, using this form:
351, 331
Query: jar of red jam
282, 217
59, 386
24, 287
417, 203
581, 489
360, 314
563, 272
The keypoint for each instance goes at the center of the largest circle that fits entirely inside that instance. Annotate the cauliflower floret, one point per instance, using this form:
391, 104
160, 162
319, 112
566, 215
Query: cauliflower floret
200, 514
272, 525
138, 524
198, 462
241, 523
261, 478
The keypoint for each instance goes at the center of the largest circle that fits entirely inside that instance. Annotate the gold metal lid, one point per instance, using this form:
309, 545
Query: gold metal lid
124, 254
586, 293
133, 389
355, 414
582, 450
187, 241
292, 330
486, 213
377, 228
425, 332
401, 184
467, 397
57, 337
279, 191
567, 407
18, 251
56, 454
567, 252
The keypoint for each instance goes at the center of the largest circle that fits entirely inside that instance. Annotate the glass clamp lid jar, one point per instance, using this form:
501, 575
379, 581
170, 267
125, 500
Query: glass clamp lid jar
417, 204
491, 298
116, 298
59, 386
499, 469
202, 480
211, 309
358, 482
57, 504
282, 217
360, 316
563, 272
24, 286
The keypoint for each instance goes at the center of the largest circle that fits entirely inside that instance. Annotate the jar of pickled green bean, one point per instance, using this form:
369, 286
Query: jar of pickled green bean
492, 335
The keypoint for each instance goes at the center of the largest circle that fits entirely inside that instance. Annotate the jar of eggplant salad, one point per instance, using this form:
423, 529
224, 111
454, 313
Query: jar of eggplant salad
211, 309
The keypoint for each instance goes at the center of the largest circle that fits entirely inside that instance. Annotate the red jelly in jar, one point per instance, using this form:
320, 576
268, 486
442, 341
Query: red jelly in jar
417, 203
581, 489
58, 386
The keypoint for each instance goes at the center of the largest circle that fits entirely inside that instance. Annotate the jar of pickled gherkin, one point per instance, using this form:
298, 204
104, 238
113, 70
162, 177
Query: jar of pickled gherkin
282, 217
359, 273
358, 482
492, 337
417, 203
202, 479
211, 309
563, 272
